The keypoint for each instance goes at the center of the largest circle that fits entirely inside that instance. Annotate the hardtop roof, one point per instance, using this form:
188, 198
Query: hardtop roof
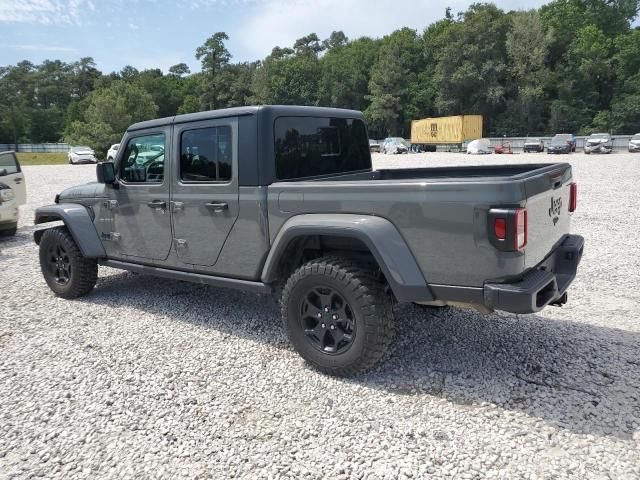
273, 110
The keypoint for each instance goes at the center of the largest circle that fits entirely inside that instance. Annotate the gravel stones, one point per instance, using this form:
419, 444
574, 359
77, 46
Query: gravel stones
150, 378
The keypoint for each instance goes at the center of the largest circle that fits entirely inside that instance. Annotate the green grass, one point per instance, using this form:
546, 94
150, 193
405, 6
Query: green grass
42, 158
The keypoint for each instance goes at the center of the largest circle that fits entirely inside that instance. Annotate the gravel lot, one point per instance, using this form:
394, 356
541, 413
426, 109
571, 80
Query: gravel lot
151, 378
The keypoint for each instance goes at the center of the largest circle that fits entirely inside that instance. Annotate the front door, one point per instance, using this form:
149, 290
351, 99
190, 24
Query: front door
141, 215
204, 200
12, 176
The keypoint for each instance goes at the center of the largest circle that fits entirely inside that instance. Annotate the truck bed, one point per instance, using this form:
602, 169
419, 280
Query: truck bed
442, 213
473, 173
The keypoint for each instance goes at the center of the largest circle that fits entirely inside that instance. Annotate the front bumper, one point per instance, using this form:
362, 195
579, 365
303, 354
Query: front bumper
544, 284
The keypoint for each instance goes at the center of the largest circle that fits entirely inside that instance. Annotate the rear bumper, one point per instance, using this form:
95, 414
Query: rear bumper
546, 283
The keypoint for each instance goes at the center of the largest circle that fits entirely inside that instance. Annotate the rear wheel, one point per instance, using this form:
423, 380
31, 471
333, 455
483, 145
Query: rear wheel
67, 272
337, 315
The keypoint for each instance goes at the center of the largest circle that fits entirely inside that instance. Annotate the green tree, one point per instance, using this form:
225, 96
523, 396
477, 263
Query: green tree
214, 57
108, 113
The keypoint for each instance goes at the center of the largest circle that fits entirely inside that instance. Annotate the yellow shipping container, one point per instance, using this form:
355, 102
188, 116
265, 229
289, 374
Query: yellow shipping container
446, 130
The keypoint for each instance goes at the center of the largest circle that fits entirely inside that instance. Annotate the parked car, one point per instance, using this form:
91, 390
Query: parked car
395, 145
79, 155
570, 138
13, 193
481, 146
292, 206
533, 145
559, 144
634, 143
374, 146
112, 152
599, 143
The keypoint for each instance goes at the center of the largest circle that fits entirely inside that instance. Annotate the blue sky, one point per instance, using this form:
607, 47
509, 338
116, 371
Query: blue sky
161, 33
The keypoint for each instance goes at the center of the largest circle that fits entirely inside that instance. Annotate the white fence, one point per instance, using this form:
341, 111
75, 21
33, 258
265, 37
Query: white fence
36, 147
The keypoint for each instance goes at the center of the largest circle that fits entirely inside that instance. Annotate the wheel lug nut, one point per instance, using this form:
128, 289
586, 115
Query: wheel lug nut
335, 317
333, 327
323, 325
326, 309
319, 315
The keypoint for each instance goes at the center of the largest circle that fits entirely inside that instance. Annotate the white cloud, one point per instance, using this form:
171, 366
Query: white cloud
281, 22
40, 48
44, 11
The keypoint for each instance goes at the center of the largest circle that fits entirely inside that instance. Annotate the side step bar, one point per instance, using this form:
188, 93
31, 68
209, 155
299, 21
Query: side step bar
247, 285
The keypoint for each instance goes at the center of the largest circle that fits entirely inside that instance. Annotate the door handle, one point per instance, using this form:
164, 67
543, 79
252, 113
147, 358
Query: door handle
18, 179
157, 204
217, 207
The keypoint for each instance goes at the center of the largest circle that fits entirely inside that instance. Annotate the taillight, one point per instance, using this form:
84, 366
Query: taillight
500, 228
573, 197
508, 228
521, 228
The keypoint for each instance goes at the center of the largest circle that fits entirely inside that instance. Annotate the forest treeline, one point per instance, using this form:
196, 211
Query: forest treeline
570, 66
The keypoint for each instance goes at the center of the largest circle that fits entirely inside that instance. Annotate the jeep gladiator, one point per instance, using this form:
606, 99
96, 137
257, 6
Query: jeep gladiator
284, 200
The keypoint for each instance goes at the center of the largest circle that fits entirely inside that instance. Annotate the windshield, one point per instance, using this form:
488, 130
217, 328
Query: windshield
532, 140
81, 149
558, 141
596, 136
636, 137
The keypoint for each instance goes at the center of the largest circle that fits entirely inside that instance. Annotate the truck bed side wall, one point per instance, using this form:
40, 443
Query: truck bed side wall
444, 223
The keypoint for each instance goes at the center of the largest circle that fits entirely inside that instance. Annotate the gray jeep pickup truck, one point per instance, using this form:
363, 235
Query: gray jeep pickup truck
284, 200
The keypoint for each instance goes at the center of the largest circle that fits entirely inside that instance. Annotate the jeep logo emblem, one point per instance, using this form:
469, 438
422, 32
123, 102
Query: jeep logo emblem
556, 208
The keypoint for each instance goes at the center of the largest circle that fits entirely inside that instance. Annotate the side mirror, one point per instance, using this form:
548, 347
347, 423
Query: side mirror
106, 173
3, 172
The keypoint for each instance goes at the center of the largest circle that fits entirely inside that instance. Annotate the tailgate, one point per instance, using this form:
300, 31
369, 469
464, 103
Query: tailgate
548, 216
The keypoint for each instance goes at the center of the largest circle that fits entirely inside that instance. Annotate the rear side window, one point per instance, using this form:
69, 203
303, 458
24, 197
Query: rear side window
313, 146
205, 155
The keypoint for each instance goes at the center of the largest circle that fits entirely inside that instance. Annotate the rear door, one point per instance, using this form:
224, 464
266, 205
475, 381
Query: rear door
204, 201
12, 176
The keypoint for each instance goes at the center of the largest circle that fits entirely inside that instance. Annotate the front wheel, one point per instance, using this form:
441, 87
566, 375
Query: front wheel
337, 315
68, 273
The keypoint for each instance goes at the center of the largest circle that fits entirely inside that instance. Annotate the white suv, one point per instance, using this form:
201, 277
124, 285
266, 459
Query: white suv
113, 151
13, 192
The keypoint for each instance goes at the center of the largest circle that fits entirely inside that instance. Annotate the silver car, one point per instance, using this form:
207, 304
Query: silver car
634, 143
79, 155
599, 143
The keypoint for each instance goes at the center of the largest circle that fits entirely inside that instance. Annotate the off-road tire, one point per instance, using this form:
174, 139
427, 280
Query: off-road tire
83, 272
369, 303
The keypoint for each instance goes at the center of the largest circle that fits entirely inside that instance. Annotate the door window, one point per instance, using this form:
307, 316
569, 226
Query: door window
206, 155
143, 159
9, 164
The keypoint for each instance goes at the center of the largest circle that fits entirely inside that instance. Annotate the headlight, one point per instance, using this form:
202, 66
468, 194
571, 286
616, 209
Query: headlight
6, 194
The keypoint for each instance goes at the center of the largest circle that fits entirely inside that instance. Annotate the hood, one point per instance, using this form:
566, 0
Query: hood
635, 142
88, 190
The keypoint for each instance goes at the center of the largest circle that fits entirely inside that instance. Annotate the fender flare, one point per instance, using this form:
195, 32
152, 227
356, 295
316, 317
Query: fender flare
379, 235
78, 220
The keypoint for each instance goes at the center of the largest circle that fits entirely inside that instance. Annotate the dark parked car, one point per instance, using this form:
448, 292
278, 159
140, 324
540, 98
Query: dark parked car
570, 138
284, 200
533, 145
559, 144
